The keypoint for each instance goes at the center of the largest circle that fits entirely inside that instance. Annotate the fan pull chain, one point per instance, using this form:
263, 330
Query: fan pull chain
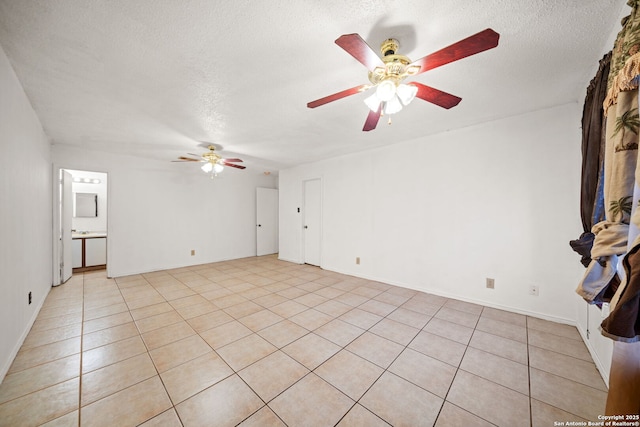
389, 120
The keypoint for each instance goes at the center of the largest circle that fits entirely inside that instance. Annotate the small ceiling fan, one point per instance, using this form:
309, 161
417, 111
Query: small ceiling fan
213, 162
386, 74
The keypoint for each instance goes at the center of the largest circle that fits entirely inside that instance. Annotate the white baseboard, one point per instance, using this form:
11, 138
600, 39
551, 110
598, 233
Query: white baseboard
16, 348
438, 292
294, 261
151, 269
594, 355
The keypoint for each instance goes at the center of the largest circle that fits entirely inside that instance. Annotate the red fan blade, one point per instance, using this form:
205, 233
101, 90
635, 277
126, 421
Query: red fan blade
186, 159
231, 160
231, 165
372, 119
338, 95
435, 96
355, 46
484, 40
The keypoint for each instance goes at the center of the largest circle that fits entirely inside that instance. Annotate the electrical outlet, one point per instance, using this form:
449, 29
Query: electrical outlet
534, 290
358, 260
29, 297
193, 252
491, 283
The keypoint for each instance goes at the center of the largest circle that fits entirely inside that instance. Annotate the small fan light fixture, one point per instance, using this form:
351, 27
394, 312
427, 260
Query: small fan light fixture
214, 168
391, 96
212, 162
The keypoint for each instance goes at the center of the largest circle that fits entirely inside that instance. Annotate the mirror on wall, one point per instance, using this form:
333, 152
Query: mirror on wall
86, 205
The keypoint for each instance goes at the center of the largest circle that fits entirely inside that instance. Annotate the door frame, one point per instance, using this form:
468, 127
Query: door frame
66, 225
56, 277
57, 224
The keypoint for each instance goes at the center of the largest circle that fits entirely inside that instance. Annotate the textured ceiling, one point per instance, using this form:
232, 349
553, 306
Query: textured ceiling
156, 78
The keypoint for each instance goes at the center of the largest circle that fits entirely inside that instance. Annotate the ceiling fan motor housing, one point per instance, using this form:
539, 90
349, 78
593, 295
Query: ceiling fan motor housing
389, 47
211, 156
396, 67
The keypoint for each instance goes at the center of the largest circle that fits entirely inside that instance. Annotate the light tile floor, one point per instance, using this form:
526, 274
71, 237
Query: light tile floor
262, 342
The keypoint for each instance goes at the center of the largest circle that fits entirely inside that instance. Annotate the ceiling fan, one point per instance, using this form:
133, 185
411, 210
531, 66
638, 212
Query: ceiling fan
213, 162
387, 73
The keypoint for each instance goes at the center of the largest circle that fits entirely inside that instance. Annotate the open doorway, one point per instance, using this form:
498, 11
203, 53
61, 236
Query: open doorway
81, 223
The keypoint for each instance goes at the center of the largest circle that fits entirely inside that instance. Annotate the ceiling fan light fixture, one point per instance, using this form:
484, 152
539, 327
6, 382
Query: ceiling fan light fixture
373, 102
207, 167
392, 106
386, 90
217, 168
407, 93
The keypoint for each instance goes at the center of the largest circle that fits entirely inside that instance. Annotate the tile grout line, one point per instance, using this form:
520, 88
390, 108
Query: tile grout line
266, 404
342, 347
231, 368
81, 356
385, 370
526, 325
313, 370
173, 406
458, 368
550, 373
237, 372
147, 352
212, 349
444, 400
357, 402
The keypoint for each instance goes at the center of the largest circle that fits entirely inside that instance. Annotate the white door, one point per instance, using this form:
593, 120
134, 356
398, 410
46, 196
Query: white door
312, 221
266, 221
66, 216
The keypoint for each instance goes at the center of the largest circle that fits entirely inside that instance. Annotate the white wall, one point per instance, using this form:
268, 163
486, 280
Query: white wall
159, 211
98, 223
25, 214
498, 200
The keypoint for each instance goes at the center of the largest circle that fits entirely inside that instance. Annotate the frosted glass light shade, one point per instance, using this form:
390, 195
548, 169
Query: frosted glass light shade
386, 90
217, 168
207, 167
372, 102
391, 97
406, 93
392, 106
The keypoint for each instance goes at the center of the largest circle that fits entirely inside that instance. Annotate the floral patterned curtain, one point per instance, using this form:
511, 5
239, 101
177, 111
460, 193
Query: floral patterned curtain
619, 233
621, 155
